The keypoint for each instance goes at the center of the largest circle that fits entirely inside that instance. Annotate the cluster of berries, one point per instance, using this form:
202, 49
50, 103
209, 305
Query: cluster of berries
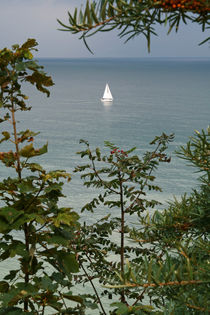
114, 151
29, 139
199, 6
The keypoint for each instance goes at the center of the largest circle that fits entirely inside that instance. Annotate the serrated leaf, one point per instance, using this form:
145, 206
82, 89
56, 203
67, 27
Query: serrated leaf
67, 218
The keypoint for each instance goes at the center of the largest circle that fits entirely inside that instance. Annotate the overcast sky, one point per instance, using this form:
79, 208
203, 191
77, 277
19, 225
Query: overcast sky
22, 19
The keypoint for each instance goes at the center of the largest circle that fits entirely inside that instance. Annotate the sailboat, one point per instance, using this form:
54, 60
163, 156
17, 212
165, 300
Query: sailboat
107, 97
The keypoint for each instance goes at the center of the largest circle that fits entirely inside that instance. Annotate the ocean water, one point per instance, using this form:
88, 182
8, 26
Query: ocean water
151, 96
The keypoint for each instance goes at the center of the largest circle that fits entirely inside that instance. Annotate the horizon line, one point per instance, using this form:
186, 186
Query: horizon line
140, 57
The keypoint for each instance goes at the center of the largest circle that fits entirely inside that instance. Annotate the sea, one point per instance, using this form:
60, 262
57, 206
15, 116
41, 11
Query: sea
151, 96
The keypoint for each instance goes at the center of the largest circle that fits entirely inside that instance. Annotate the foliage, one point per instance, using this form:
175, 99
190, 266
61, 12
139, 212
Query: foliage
177, 267
124, 180
34, 230
132, 17
164, 270
147, 262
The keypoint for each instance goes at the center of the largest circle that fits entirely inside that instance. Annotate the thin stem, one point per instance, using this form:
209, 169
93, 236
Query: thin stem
34, 198
18, 169
122, 231
140, 297
198, 308
146, 180
94, 288
64, 303
102, 23
26, 233
100, 179
43, 310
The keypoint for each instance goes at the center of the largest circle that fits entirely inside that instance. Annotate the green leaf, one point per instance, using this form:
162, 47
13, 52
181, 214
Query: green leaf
58, 277
4, 286
98, 154
204, 41
87, 13
23, 219
67, 263
57, 240
10, 214
42, 150
15, 46
53, 187
40, 80
67, 217
122, 308
103, 10
6, 136
32, 65
12, 274
12, 311
47, 284
30, 43
34, 167
26, 187
29, 151
93, 13
74, 298
20, 66
28, 55
17, 248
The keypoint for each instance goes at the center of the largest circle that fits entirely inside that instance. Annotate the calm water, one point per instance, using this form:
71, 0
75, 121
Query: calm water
151, 96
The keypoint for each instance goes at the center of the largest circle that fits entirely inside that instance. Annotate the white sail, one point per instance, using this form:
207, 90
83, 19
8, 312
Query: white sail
107, 97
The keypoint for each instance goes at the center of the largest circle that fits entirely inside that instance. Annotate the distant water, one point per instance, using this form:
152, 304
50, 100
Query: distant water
151, 96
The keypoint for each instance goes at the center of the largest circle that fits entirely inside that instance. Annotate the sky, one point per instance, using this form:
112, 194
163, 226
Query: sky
23, 19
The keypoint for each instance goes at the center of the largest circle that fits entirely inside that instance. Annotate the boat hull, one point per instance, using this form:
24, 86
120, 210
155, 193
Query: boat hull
108, 100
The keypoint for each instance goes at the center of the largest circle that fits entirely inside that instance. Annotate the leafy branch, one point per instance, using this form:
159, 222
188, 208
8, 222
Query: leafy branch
132, 18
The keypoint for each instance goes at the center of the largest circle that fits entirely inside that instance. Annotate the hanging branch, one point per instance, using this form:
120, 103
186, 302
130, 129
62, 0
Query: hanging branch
132, 18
